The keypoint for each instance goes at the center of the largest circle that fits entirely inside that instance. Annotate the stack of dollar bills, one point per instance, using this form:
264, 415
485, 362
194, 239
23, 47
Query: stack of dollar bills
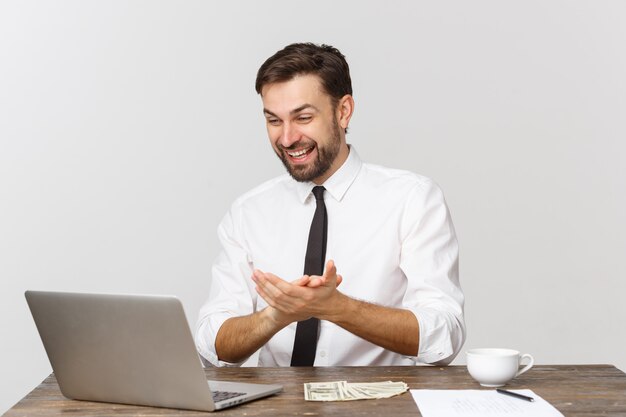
346, 391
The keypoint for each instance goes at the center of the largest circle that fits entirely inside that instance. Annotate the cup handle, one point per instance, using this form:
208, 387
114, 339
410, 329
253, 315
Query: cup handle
530, 364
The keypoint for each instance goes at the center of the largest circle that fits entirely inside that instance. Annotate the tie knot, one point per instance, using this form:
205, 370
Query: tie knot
318, 192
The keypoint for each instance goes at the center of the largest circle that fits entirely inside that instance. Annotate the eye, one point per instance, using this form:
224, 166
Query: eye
305, 118
273, 121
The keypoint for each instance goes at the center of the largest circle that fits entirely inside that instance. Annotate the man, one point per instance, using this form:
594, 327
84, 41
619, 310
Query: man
388, 232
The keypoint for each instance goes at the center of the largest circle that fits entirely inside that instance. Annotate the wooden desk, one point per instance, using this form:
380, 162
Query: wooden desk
577, 390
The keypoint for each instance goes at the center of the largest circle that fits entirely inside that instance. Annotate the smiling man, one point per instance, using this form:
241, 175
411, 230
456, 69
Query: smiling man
380, 284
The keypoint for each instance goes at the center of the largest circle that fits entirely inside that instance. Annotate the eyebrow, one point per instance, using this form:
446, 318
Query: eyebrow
294, 111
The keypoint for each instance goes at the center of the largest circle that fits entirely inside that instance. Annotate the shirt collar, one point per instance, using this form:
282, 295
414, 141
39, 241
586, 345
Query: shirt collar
337, 185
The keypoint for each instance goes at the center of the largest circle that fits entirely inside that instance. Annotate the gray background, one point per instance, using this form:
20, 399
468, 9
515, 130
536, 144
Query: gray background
127, 129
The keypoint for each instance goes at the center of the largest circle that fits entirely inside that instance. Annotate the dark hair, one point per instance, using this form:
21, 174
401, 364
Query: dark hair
308, 58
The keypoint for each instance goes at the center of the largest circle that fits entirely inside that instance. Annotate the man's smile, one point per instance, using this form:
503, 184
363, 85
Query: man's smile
300, 155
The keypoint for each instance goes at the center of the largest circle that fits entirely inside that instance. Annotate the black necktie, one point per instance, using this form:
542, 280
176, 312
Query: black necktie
305, 343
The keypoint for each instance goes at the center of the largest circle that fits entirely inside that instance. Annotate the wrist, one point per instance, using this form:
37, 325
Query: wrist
337, 307
273, 319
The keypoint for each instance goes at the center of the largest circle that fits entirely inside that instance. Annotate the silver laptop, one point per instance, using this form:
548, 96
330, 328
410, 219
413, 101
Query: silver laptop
129, 349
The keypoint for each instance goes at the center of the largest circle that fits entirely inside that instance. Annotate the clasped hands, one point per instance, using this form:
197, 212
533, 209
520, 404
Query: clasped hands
305, 297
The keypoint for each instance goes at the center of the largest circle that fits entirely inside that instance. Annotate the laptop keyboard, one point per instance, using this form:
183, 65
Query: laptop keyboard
225, 395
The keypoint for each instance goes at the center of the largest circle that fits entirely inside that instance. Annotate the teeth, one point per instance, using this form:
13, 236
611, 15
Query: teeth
298, 153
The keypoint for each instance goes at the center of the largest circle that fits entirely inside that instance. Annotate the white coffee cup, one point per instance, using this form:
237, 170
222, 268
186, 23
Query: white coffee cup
495, 367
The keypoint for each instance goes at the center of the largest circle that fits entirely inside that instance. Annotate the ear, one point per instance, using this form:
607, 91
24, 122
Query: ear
345, 108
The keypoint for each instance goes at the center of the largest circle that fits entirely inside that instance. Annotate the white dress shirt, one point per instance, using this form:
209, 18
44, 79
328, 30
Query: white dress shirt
391, 237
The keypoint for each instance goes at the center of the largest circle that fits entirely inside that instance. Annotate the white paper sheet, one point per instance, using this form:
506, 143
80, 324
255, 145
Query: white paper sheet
480, 403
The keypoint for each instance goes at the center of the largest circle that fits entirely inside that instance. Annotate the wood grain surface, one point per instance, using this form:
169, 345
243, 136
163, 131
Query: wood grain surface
576, 390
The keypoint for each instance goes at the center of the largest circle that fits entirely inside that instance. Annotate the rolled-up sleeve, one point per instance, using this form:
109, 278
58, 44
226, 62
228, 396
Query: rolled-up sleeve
429, 259
231, 292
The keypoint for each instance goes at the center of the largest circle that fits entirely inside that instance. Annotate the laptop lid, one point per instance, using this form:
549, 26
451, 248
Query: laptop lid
130, 349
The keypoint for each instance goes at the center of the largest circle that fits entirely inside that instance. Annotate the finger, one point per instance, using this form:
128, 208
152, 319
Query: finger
264, 280
285, 308
264, 277
257, 275
281, 285
315, 282
329, 275
302, 281
264, 295
330, 267
331, 270
274, 298
284, 296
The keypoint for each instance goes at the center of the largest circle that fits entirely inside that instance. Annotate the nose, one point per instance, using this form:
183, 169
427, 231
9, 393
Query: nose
289, 135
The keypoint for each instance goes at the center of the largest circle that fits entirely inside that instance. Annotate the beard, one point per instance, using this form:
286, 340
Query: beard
326, 155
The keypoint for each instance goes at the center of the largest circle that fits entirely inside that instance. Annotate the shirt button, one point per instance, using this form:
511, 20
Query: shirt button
323, 354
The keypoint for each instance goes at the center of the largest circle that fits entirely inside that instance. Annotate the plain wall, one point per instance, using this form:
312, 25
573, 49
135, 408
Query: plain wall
128, 128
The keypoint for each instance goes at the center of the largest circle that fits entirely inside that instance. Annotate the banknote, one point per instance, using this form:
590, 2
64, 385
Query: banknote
348, 391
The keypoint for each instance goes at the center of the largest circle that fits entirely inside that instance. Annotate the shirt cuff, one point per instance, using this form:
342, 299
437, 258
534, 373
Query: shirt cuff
205, 342
435, 339
209, 359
